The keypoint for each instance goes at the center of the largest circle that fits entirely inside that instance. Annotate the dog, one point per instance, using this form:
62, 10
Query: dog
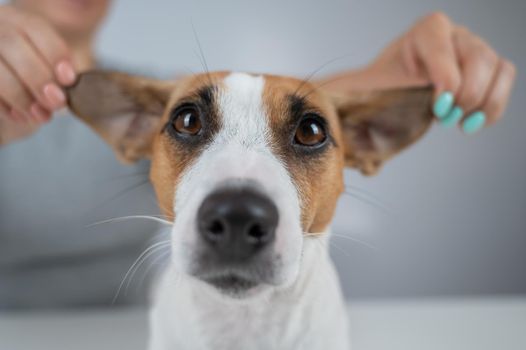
248, 168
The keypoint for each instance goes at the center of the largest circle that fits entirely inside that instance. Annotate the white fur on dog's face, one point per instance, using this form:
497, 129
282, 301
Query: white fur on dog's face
251, 132
240, 150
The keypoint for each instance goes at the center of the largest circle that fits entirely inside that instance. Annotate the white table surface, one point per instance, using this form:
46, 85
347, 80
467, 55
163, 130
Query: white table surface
395, 325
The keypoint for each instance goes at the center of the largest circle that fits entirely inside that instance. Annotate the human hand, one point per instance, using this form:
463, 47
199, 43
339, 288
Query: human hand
472, 82
34, 67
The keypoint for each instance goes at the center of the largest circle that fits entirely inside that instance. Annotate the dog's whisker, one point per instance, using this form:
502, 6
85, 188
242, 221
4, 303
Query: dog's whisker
367, 194
123, 176
323, 246
325, 83
195, 75
163, 208
339, 248
142, 261
190, 71
357, 240
333, 245
154, 262
258, 199
317, 234
308, 78
126, 190
153, 246
203, 59
370, 202
332, 234
130, 217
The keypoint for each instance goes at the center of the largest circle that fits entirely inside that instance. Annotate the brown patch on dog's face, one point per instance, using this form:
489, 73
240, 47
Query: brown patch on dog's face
317, 170
275, 137
363, 130
136, 116
173, 153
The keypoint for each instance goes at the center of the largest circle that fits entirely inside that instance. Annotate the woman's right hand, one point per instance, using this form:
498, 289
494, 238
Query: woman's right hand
35, 66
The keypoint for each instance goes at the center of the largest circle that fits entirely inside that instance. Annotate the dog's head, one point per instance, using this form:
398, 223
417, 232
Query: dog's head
246, 165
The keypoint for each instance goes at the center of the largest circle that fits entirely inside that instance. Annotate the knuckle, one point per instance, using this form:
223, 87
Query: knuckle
479, 56
462, 30
437, 18
485, 55
37, 82
452, 81
22, 101
60, 49
510, 68
493, 108
3, 109
18, 98
470, 97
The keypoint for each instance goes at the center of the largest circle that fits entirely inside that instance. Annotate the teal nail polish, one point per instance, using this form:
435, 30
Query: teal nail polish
474, 122
443, 104
453, 117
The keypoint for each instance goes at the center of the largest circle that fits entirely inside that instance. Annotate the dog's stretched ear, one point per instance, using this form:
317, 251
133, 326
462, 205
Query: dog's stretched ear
377, 125
124, 110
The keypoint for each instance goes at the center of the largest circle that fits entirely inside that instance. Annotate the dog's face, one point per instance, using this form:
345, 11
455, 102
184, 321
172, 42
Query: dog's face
246, 165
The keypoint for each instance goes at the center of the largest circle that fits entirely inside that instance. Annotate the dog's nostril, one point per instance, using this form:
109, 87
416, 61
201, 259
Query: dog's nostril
216, 230
238, 222
216, 227
256, 233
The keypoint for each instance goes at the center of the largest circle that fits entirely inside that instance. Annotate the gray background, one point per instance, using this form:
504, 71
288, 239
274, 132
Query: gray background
450, 214
455, 221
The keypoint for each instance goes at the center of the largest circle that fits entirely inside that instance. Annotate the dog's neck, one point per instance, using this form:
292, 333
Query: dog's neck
249, 162
190, 313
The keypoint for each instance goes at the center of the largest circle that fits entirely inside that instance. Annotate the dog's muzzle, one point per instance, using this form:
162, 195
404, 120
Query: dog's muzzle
237, 228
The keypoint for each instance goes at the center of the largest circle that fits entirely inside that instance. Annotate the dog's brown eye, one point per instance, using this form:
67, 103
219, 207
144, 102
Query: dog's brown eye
310, 132
187, 121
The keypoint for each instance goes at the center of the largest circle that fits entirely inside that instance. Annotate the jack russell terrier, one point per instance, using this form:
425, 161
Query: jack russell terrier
249, 169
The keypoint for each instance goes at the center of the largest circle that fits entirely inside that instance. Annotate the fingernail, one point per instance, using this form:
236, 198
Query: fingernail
54, 95
443, 104
65, 73
39, 113
474, 122
453, 117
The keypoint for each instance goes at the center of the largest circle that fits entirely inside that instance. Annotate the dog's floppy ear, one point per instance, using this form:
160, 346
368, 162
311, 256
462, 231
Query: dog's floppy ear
377, 125
125, 110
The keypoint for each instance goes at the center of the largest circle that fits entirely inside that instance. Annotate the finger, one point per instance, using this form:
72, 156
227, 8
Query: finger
22, 59
12, 92
19, 117
39, 113
500, 91
5, 113
479, 64
435, 50
49, 45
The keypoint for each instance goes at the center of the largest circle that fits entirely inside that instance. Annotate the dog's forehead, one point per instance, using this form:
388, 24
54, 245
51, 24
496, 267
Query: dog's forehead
240, 90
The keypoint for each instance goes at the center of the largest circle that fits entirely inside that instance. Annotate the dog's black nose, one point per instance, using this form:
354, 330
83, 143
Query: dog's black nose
237, 222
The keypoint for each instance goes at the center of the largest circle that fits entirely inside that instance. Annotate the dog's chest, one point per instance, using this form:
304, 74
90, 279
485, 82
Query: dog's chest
266, 325
186, 317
